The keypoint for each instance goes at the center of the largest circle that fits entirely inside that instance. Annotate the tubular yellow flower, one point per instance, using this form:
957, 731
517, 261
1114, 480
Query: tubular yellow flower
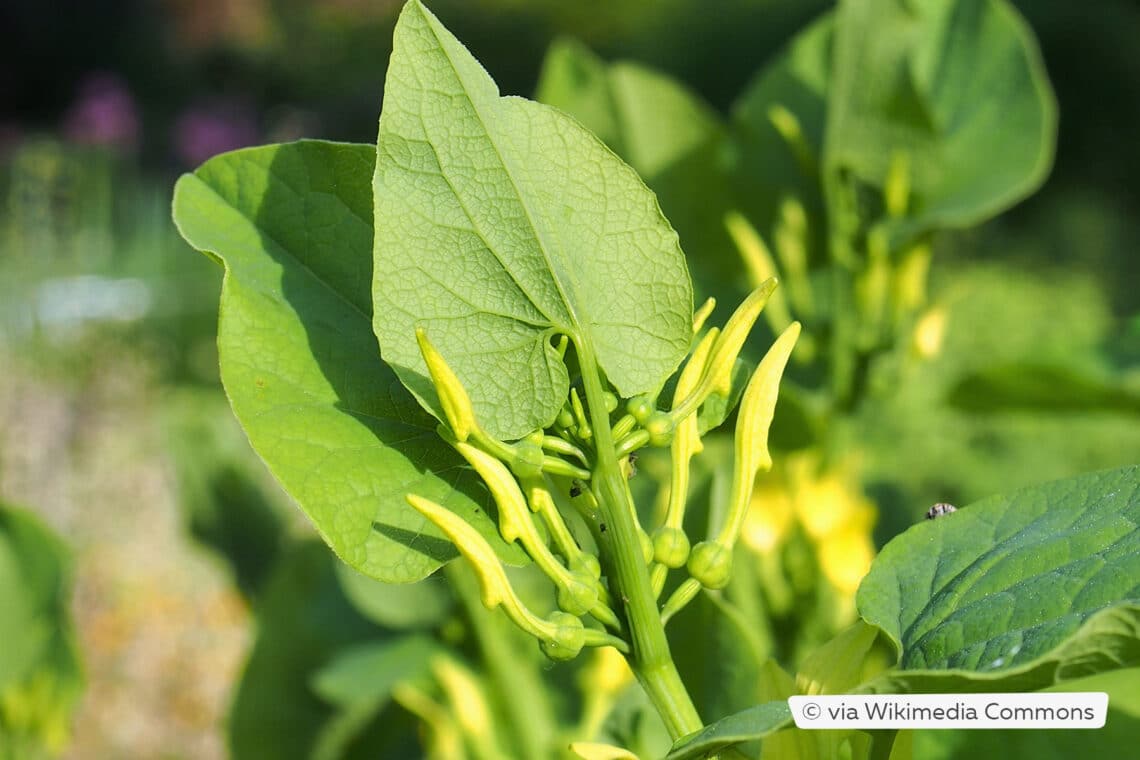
686, 438
514, 515
597, 751
452, 396
896, 189
601, 681
787, 124
702, 314
760, 265
826, 504
468, 702
770, 517
494, 587
757, 407
790, 238
607, 673
446, 741
845, 557
725, 349
929, 333
577, 593
908, 287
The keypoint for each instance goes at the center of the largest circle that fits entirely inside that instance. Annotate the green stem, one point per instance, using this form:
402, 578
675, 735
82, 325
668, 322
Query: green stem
518, 688
650, 659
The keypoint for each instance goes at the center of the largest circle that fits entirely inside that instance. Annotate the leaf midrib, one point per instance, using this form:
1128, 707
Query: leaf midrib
575, 328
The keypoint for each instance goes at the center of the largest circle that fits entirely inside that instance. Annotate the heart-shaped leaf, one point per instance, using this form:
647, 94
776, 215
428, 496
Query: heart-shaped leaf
293, 226
502, 222
959, 87
1014, 592
675, 141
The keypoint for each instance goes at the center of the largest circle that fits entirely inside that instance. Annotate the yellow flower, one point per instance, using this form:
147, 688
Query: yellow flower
845, 557
929, 333
769, 518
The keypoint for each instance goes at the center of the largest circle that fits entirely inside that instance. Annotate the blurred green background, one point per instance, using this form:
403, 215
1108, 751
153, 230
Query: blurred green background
113, 426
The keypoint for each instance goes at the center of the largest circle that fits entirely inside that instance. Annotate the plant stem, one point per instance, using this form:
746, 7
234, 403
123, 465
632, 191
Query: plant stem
517, 687
650, 659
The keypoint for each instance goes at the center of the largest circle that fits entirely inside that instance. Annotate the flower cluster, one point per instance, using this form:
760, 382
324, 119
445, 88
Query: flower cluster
528, 480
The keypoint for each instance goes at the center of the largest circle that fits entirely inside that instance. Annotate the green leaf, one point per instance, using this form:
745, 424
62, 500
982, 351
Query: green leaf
850, 658
768, 168
368, 672
292, 226
40, 674
956, 85
1014, 592
674, 140
748, 725
416, 605
1116, 739
1047, 388
502, 223
647, 118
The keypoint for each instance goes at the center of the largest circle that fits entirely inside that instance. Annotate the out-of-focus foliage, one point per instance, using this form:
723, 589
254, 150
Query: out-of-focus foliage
40, 673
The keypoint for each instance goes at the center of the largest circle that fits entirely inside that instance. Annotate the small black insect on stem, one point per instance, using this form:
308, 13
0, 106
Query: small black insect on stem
576, 487
940, 509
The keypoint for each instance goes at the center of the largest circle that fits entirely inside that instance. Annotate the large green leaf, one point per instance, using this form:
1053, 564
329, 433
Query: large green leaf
959, 86
1116, 739
502, 222
1014, 592
745, 726
420, 605
674, 140
292, 225
40, 677
768, 169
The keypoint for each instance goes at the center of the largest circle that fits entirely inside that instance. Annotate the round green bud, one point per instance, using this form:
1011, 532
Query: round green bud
568, 638
670, 546
565, 419
711, 564
640, 407
660, 429
586, 563
579, 595
610, 401
527, 462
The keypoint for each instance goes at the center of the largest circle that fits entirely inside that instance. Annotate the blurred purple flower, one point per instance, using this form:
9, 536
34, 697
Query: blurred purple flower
207, 129
104, 114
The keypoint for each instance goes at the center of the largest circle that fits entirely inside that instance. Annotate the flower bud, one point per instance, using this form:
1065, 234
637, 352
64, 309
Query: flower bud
711, 564
578, 594
527, 459
670, 546
566, 639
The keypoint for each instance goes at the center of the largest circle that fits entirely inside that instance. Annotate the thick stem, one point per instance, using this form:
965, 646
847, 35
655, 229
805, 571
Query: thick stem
650, 658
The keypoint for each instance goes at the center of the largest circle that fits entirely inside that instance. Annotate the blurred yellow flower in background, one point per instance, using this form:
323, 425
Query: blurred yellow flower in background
828, 505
